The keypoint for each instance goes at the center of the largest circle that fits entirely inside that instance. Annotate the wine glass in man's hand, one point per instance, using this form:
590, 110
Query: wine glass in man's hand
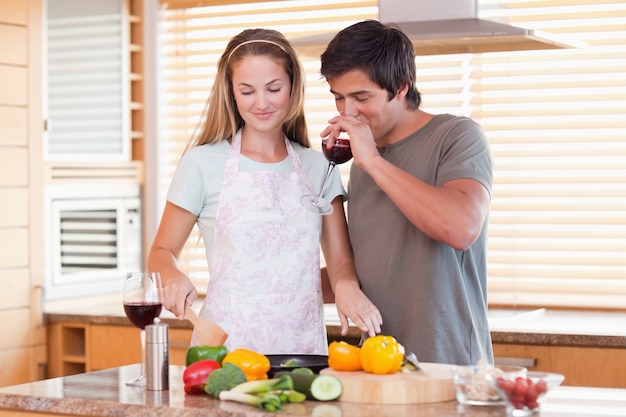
340, 153
143, 302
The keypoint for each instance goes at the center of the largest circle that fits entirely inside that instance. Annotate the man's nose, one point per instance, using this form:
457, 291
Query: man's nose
349, 109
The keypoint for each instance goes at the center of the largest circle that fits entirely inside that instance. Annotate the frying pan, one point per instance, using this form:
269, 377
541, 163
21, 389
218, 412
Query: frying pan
314, 362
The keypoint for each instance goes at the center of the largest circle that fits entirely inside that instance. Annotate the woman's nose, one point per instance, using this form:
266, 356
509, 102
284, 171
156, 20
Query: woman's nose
261, 101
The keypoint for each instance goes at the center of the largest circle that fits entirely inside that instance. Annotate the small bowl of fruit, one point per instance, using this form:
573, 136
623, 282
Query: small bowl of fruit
523, 394
472, 385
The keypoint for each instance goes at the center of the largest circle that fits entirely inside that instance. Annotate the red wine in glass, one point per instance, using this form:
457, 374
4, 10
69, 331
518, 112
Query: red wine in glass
340, 153
141, 314
143, 302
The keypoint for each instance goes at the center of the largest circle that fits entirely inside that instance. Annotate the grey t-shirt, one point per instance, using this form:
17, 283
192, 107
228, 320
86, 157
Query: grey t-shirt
431, 296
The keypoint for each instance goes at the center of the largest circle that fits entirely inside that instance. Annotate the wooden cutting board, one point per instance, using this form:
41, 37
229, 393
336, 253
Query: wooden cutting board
433, 384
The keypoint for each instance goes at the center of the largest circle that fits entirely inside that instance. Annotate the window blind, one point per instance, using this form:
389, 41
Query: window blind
85, 82
557, 128
555, 120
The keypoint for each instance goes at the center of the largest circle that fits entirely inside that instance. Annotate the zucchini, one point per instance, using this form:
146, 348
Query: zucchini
315, 387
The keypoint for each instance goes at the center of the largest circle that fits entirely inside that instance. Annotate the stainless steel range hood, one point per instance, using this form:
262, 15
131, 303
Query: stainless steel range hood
446, 27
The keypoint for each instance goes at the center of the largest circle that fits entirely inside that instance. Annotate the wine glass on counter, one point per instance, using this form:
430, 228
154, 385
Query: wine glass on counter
143, 302
340, 153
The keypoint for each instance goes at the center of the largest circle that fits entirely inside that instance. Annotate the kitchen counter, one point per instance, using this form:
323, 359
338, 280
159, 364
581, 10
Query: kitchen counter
104, 393
558, 327
533, 327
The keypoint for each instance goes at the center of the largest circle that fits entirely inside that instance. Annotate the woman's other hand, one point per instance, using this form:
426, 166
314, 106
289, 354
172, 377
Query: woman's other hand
353, 304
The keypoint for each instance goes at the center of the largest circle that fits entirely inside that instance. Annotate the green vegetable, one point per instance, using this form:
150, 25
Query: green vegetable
291, 396
315, 387
197, 353
265, 402
303, 371
223, 379
267, 394
326, 388
290, 363
282, 383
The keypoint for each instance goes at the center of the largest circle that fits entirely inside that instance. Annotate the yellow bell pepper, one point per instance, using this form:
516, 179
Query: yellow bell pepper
382, 355
253, 364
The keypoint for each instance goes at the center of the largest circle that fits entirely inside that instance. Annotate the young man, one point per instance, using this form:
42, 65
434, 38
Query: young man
419, 197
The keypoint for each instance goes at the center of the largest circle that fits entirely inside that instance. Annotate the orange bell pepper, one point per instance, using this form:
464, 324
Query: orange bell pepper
343, 356
253, 364
382, 355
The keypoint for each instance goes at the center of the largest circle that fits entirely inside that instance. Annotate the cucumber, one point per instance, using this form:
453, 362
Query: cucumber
315, 387
301, 382
326, 388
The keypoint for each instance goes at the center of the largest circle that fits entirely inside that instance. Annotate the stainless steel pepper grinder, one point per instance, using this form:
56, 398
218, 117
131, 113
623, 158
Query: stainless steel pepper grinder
157, 356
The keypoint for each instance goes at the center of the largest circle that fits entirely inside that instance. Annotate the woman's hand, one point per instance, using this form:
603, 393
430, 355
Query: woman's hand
353, 304
178, 293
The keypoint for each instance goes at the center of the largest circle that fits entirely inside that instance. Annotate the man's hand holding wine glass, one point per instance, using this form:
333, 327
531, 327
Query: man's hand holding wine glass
361, 139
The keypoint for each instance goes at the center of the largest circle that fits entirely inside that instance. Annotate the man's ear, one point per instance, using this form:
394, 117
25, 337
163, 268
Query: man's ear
402, 91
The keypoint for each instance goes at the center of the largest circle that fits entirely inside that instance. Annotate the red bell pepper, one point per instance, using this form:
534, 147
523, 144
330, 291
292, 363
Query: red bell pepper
196, 375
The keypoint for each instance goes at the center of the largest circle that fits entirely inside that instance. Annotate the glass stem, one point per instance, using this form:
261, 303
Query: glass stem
331, 165
142, 336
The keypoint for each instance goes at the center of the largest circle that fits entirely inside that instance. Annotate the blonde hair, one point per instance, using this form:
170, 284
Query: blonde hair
221, 119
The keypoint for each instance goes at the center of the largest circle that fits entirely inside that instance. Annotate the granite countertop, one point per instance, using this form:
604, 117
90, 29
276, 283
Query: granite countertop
521, 326
559, 327
104, 393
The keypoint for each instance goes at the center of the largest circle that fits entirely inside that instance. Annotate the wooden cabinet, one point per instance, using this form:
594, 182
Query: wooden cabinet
67, 349
77, 347
112, 346
84, 347
582, 366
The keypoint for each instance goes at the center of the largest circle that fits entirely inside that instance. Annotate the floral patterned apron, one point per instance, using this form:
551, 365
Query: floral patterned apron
264, 287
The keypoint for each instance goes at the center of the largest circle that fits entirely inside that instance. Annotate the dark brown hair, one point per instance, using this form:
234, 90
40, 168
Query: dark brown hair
383, 52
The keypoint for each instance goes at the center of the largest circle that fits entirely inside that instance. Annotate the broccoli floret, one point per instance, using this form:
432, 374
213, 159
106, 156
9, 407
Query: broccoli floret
223, 379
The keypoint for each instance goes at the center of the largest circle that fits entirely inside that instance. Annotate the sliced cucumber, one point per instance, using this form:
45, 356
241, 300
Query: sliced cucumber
326, 388
315, 387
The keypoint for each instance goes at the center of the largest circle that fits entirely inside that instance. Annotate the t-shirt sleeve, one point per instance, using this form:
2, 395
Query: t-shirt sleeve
186, 188
466, 155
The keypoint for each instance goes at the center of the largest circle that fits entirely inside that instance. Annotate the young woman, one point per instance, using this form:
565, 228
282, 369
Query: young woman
241, 181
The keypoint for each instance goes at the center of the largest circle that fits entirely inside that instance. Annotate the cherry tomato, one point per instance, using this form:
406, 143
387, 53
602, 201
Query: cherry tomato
521, 387
522, 392
532, 394
542, 387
